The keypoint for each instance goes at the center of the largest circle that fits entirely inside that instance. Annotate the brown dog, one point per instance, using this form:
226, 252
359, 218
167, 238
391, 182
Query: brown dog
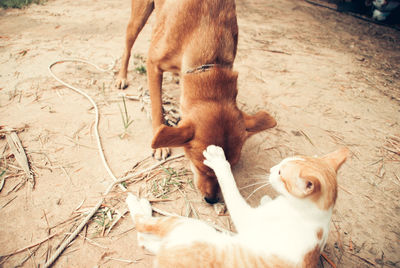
199, 40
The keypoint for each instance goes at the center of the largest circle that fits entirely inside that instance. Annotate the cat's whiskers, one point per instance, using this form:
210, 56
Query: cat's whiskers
254, 184
258, 188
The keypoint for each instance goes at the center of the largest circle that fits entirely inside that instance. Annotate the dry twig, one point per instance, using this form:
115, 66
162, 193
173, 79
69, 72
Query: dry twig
328, 260
8, 202
120, 215
7, 130
122, 260
30, 246
73, 235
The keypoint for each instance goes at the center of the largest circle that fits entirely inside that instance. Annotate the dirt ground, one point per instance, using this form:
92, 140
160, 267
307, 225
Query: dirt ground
329, 79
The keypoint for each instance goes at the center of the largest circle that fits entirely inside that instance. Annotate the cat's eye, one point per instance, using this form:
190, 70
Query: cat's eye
279, 172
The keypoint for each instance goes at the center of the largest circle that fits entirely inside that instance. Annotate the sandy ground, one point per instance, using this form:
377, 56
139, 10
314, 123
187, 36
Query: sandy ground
330, 80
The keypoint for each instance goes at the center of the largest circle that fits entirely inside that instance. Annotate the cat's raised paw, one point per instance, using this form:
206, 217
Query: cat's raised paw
215, 157
215, 151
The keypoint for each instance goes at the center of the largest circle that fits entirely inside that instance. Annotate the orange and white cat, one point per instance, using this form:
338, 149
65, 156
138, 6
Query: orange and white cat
288, 231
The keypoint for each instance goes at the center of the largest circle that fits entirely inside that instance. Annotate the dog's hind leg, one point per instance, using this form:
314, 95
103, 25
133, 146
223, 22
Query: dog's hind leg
140, 12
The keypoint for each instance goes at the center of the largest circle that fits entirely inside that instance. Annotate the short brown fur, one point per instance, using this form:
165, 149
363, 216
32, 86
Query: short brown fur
188, 34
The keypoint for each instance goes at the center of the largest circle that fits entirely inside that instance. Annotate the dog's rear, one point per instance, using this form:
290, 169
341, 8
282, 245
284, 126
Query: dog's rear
186, 34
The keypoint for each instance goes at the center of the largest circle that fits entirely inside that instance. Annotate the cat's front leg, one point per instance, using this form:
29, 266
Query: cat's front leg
238, 208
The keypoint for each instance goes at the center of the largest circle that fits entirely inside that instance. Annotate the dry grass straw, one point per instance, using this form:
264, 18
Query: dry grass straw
85, 238
116, 220
307, 137
2, 179
73, 235
14, 161
393, 144
328, 260
126, 119
8, 202
31, 245
28, 256
122, 260
79, 143
170, 106
106, 218
169, 181
19, 153
6, 130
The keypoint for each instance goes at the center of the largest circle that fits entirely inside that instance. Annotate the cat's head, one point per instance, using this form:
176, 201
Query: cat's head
309, 178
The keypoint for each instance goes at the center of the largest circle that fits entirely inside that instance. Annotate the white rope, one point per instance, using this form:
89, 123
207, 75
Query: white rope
96, 124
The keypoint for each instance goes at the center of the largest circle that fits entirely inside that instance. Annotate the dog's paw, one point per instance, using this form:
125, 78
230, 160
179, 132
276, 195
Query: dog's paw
215, 158
161, 153
138, 206
121, 82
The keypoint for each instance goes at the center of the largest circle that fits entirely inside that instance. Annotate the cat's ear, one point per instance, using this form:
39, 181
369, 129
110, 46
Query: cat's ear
258, 122
337, 158
172, 136
307, 186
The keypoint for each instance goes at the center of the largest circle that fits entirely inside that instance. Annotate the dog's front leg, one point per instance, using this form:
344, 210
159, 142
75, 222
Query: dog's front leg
154, 77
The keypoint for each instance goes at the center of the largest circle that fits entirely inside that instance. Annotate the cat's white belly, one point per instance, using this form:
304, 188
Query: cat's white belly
196, 231
289, 239
281, 242
284, 232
